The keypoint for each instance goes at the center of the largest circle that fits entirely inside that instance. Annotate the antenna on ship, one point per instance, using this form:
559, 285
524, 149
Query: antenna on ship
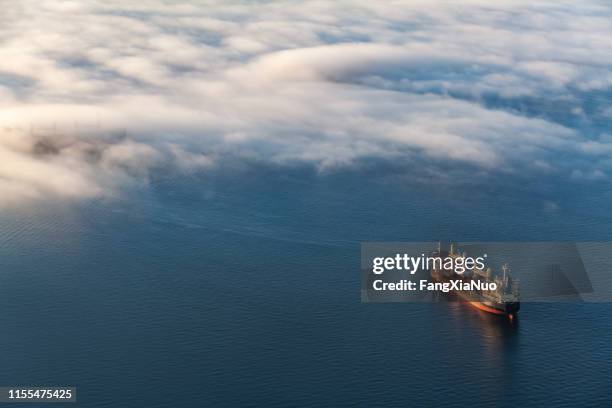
505, 275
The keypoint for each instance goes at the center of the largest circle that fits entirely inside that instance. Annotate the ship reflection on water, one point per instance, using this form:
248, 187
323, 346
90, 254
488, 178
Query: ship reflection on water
496, 337
495, 331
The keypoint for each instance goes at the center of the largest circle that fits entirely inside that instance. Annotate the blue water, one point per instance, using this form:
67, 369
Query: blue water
241, 287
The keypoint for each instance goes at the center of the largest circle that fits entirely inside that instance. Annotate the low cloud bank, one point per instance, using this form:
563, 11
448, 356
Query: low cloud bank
511, 86
38, 166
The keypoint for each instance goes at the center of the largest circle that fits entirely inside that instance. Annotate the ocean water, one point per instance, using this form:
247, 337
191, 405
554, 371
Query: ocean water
241, 287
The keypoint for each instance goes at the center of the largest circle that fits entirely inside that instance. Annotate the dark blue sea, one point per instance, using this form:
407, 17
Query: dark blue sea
240, 287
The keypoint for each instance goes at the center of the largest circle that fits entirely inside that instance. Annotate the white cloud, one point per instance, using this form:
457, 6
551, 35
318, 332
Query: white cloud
498, 86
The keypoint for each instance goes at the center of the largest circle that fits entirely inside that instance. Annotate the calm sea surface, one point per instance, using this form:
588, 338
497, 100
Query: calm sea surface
242, 288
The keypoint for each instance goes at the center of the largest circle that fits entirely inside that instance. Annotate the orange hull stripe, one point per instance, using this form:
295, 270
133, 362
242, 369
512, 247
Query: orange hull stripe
486, 308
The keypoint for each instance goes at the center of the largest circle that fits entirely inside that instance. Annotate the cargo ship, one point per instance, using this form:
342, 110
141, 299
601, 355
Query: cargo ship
503, 300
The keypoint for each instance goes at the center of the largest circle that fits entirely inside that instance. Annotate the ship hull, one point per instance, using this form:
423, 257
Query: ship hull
509, 309
505, 309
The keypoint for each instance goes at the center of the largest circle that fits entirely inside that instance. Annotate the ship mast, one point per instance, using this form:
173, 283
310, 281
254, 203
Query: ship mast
505, 275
